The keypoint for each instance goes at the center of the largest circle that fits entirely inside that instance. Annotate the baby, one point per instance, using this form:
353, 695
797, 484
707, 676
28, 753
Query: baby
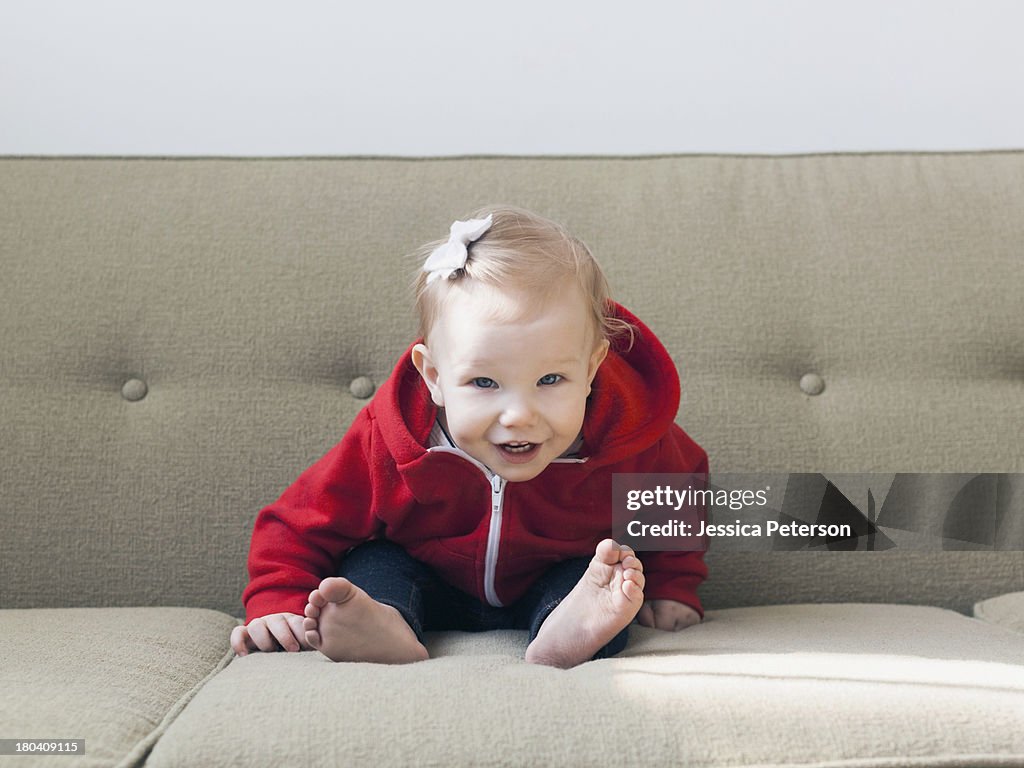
474, 491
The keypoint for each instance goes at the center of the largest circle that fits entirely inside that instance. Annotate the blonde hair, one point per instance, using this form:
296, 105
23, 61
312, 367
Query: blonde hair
527, 253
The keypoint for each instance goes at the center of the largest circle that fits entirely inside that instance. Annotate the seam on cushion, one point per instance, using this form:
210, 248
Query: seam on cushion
898, 761
138, 755
849, 680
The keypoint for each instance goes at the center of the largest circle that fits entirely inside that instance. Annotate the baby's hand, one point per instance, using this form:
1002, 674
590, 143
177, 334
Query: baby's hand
667, 614
274, 632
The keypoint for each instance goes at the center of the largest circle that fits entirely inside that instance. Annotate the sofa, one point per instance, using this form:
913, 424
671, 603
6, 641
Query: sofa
181, 337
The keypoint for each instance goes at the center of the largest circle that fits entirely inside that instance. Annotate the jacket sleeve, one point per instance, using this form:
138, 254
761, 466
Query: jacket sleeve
298, 540
676, 575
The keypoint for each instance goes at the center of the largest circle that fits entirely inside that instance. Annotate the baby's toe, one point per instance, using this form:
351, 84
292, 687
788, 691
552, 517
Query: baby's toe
607, 552
632, 561
635, 577
336, 589
311, 631
634, 592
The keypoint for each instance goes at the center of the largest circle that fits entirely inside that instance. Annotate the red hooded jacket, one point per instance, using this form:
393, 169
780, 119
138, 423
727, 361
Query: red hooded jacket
489, 538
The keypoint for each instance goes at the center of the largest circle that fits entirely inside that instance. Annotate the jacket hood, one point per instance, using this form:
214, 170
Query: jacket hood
634, 398
633, 401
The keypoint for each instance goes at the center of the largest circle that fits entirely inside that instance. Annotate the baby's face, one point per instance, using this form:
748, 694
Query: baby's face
513, 392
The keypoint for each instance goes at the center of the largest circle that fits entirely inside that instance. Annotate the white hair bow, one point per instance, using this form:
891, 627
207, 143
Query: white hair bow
451, 256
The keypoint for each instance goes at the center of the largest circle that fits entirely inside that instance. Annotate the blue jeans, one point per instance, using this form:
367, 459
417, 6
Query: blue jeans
389, 575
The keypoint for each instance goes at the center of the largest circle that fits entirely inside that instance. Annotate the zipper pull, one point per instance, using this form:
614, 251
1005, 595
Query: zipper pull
496, 485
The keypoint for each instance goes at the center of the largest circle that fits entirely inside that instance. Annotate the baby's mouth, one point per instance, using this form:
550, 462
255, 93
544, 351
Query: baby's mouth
518, 452
517, 447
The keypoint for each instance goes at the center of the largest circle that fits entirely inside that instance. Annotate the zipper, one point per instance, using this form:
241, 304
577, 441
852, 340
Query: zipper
493, 540
497, 484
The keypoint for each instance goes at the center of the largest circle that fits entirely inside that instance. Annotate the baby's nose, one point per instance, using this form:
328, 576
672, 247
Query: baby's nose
517, 413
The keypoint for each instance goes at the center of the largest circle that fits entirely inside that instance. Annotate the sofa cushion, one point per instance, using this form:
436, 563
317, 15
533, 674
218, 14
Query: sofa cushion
1005, 610
112, 676
785, 685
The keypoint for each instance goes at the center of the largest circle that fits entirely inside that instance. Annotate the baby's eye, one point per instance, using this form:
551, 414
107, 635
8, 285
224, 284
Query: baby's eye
549, 379
482, 382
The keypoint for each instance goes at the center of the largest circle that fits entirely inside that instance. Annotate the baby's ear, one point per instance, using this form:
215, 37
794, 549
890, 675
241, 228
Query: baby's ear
424, 363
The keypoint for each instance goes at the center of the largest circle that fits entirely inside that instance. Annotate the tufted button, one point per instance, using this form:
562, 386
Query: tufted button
361, 387
812, 384
134, 390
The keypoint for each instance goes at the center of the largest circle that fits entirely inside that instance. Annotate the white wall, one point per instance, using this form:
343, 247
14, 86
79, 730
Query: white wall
253, 77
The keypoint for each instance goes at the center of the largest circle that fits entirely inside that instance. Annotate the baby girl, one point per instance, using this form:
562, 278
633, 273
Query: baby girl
474, 491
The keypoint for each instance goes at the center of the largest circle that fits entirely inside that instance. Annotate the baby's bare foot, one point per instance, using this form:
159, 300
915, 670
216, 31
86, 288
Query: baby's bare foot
346, 624
603, 602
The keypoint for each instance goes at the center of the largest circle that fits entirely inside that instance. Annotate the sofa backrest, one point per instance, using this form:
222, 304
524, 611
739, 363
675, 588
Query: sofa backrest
181, 337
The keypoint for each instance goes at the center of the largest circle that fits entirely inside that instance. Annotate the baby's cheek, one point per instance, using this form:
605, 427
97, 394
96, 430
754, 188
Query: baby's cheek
578, 407
466, 423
